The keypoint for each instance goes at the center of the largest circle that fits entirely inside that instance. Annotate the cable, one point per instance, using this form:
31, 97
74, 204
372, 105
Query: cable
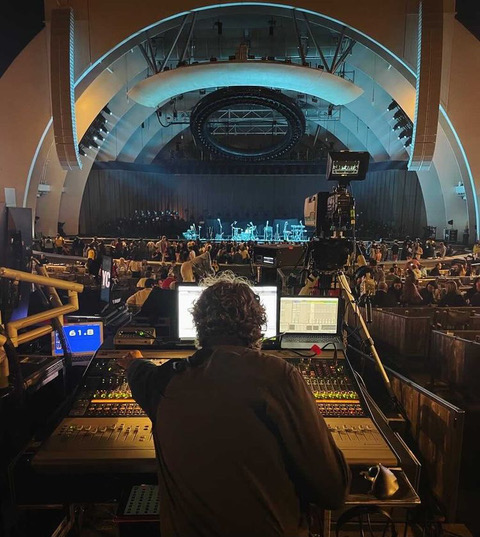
335, 351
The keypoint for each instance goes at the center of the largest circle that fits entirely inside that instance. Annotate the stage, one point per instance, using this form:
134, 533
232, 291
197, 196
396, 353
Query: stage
277, 231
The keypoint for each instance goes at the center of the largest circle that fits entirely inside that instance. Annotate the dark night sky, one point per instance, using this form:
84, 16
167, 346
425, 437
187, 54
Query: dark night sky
21, 21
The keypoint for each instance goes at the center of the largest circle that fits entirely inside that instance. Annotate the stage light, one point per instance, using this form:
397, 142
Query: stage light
408, 142
82, 152
107, 110
392, 106
398, 114
404, 133
403, 122
99, 137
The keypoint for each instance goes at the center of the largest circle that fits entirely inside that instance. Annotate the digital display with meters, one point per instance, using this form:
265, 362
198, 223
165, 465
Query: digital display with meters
82, 338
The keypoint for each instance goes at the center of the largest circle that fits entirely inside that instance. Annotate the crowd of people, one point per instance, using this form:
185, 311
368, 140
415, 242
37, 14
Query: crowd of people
401, 251
412, 285
146, 223
399, 285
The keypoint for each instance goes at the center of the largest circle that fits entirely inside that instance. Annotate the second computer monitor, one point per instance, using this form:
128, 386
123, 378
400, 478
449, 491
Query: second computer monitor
308, 315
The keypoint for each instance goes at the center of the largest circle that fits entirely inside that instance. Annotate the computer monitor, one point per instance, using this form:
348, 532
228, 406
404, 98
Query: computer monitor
84, 339
188, 294
309, 314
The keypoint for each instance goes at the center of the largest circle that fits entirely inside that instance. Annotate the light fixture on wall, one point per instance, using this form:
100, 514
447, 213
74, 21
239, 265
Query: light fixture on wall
392, 106
460, 190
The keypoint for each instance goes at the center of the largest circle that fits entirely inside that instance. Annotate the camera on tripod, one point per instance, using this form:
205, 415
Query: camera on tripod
332, 214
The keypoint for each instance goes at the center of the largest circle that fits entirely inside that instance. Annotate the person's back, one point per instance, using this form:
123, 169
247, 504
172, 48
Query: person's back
383, 299
242, 448
226, 431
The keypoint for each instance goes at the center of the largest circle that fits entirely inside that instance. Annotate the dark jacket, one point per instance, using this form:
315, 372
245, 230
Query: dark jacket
427, 297
240, 443
452, 299
383, 299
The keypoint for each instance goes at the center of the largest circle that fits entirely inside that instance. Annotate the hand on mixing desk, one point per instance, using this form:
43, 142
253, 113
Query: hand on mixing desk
130, 357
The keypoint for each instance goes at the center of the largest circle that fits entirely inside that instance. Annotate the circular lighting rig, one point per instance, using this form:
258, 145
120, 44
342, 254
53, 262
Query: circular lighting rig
241, 96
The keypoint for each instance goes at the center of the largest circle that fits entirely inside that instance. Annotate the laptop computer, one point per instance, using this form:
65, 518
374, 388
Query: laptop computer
83, 339
308, 320
188, 294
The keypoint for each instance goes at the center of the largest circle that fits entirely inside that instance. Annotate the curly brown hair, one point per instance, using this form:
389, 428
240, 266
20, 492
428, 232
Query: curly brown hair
228, 307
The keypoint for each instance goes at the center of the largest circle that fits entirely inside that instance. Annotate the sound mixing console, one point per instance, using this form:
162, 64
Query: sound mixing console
106, 427
347, 418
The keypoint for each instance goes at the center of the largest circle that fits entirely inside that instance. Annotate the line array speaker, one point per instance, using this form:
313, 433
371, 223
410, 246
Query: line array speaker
430, 40
63, 89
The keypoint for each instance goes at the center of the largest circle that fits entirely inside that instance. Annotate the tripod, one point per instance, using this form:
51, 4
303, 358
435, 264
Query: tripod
345, 286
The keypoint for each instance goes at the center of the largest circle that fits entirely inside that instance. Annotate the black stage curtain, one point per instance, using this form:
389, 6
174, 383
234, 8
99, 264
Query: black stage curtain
391, 197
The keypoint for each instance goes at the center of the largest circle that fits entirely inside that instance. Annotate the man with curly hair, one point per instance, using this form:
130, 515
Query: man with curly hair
241, 446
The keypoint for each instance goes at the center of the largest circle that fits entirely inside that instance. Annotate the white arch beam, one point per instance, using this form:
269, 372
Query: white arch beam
159, 88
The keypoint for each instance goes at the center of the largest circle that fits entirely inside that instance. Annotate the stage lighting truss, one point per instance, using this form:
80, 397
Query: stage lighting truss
229, 112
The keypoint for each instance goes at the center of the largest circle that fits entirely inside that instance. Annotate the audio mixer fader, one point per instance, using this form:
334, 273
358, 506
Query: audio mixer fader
107, 428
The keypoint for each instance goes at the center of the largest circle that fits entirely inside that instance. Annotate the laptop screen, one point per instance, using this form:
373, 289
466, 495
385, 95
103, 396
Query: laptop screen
188, 294
308, 314
83, 339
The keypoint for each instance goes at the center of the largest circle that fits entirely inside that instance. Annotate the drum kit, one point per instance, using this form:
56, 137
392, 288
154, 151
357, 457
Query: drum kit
240, 235
298, 232
191, 234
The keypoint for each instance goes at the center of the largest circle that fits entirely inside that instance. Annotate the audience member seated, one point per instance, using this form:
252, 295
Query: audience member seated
395, 290
475, 300
379, 274
237, 257
136, 268
390, 276
148, 275
383, 299
457, 269
452, 296
436, 270
170, 280
473, 293
430, 293
138, 299
122, 267
410, 295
